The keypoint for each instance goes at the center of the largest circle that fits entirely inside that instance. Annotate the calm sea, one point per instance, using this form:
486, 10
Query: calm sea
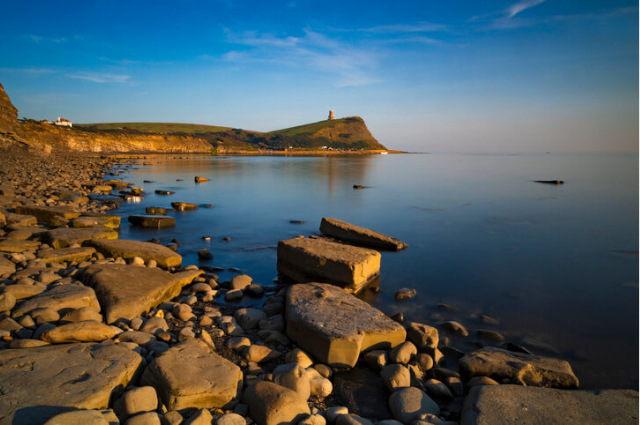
556, 265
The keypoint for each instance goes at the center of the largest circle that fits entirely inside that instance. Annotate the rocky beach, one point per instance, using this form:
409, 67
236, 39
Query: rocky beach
97, 329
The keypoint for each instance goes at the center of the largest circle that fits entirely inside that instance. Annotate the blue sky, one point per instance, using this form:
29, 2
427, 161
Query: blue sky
437, 76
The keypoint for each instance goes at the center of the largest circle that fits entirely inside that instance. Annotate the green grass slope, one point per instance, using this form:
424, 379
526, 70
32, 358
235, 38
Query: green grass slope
155, 127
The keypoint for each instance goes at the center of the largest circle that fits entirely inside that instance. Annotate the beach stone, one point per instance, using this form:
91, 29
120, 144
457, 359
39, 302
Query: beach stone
45, 214
38, 383
437, 389
79, 417
111, 221
299, 357
172, 418
405, 293
8, 324
128, 249
81, 314
335, 326
7, 266
140, 338
272, 404
275, 337
309, 260
524, 369
231, 419
184, 206
60, 298
335, 411
395, 376
26, 343
249, 318
189, 375
205, 255
199, 179
152, 221
313, 420
63, 237
20, 219
352, 420
126, 291
481, 380
154, 325
425, 361
149, 418
233, 294
362, 392
424, 337
294, 377
87, 331
376, 359
515, 404
24, 291
454, 327
260, 354
489, 334
320, 386
407, 404
183, 312
135, 401
201, 417
65, 254
359, 235
403, 353
240, 281
7, 301
9, 246
43, 315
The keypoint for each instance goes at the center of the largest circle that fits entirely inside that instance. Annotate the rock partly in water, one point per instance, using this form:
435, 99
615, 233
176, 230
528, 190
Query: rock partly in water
359, 235
184, 206
152, 221
524, 369
335, 326
39, 383
189, 376
515, 404
126, 291
318, 260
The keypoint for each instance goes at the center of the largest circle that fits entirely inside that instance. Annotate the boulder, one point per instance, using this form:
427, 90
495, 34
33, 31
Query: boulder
63, 237
152, 221
524, 369
189, 375
39, 383
359, 235
44, 214
335, 326
318, 260
126, 291
60, 298
86, 331
271, 404
128, 249
515, 404
424, 337
65, 254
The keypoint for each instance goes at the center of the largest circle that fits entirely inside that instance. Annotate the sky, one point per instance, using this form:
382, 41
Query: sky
426, 75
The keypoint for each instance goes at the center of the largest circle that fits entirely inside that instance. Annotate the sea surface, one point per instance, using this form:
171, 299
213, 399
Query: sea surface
557, 265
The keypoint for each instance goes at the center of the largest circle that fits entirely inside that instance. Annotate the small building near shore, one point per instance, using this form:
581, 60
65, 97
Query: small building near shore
331, 116
63, 122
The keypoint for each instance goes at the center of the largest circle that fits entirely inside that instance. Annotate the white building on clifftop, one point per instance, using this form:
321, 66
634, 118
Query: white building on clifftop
63, 122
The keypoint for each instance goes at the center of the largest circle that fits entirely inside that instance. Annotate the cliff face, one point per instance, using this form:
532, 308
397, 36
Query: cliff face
8, 115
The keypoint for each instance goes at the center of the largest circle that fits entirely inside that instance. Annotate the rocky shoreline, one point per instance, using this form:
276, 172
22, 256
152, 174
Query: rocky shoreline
95, 329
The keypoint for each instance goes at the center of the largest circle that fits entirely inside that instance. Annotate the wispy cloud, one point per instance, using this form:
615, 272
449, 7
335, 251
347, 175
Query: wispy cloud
349, 65
38, 39
100, 77
513, 10
404, 28
31, 72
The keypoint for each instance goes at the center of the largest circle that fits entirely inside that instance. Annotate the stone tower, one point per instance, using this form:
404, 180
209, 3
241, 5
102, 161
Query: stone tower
331, 117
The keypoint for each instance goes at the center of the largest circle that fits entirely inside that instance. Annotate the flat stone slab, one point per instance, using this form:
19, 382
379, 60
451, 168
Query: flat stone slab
184, 206
65, 254
18, 246
63, 237
335, 326
189, 375
60, 298
126, 291
152, 221
127, 249
112, 221
515, 404
519, 368
359, 235
44, 214
318, 260
38, 383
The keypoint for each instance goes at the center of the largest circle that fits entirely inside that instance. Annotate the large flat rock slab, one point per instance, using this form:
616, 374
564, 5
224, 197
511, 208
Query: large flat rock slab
519, 368
38, 383
9, 245
189, 376
126, 291
318, 260
359, 235
65, 254
127, 249
44, 214
514, 404
63, 237
60, 298
335, 326
111, 221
